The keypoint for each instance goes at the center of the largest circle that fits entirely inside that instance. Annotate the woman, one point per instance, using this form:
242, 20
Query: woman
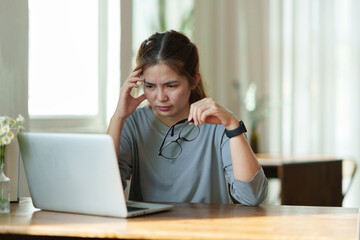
183, 147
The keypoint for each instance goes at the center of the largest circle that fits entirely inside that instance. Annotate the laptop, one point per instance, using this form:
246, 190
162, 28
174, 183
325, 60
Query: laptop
77, 173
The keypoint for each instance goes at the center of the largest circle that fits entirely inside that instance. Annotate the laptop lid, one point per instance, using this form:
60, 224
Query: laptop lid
75, 173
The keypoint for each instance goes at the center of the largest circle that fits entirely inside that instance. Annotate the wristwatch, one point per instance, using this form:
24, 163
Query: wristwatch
237, 131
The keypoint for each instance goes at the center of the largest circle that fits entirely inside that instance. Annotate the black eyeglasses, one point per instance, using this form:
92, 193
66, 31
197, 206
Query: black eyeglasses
173, 149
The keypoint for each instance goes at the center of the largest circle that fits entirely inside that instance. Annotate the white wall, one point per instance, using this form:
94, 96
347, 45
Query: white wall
14, 77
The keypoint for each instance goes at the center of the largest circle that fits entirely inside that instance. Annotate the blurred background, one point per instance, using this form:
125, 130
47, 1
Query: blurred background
288, 68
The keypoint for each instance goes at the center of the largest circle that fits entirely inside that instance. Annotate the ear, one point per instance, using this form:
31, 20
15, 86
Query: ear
197, 78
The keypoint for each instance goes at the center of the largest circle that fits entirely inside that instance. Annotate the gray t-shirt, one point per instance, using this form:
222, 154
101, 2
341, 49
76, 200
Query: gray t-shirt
201, 173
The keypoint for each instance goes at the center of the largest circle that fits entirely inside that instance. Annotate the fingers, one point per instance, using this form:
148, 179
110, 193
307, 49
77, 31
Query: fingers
208, 111
135, 77
128, 103
201, 110
140, 98
132, 81
136, 73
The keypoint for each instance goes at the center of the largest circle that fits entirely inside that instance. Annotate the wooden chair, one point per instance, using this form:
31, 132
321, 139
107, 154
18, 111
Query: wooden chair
349, 170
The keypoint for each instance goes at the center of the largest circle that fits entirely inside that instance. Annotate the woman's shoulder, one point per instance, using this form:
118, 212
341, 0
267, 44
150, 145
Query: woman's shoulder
142, 113
143, 116
138, 119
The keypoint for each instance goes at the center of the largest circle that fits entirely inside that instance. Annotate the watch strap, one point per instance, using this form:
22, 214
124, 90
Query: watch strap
237, 131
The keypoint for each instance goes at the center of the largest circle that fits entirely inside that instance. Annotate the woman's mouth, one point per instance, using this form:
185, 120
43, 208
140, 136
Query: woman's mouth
164, 108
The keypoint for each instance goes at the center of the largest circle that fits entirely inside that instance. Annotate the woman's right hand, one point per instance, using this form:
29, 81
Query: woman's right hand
127, 103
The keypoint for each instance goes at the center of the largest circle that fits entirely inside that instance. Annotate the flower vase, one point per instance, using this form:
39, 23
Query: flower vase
4, 190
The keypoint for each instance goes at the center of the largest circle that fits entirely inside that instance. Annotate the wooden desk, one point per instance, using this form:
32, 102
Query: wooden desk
187, 221
312, 180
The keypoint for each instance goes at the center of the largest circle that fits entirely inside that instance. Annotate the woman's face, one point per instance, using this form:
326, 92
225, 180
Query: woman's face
167, 92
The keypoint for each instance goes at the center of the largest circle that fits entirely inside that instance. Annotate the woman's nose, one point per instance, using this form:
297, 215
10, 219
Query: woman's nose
161, 95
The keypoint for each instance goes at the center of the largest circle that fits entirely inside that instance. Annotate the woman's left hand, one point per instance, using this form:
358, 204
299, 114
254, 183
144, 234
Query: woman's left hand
208, 111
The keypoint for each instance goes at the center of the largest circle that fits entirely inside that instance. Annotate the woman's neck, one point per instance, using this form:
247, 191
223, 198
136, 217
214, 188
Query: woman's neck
171, 120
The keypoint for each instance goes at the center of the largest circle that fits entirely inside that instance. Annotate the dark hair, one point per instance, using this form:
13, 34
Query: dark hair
176, 51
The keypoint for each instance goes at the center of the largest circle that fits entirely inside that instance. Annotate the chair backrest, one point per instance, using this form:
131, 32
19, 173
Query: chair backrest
349, 170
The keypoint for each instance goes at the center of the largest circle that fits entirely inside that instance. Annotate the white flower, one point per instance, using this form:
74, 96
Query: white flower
4, 120
9, 128
10, 135
12, 122
20, 119
5, 128
6, 140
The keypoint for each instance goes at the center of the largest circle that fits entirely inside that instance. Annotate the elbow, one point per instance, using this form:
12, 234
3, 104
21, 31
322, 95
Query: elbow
254, 196
258, 197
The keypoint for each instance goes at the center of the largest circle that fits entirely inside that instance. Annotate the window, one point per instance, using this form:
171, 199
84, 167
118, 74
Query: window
74, 52
150, 16
74, 56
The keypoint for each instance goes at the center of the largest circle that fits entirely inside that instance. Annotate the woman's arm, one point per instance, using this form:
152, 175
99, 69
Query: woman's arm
126, 106
245, 164
114, 130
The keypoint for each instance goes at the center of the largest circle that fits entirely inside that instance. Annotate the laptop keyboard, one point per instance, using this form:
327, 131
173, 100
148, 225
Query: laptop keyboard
132, 209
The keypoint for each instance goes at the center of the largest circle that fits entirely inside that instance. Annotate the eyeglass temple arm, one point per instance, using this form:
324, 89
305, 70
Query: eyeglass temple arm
172, 129
162, 144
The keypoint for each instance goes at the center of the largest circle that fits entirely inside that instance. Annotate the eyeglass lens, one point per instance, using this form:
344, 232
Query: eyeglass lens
189, 132
173, 149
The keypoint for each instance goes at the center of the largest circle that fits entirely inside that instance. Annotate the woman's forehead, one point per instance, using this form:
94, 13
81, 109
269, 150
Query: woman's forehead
161, 73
